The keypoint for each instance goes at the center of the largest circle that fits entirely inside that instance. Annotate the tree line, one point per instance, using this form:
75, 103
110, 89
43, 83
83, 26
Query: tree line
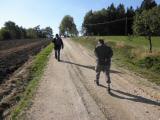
115, 20
13, 31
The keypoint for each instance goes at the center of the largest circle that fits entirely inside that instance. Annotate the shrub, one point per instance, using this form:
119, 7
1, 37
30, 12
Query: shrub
4, 34
150, 62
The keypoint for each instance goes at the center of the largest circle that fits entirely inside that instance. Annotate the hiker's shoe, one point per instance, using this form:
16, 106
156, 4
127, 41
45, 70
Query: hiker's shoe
109, 88
108, 82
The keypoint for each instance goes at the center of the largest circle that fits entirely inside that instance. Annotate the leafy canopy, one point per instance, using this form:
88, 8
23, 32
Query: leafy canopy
67, 26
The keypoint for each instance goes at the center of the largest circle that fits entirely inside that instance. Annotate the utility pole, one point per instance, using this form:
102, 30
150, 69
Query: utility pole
126, 27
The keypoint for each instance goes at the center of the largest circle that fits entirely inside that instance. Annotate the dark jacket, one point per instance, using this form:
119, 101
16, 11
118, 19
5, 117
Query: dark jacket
103, 53
58, 43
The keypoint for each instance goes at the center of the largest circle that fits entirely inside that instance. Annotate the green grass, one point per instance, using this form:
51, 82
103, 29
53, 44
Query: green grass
132, 40
131, 54
36, 72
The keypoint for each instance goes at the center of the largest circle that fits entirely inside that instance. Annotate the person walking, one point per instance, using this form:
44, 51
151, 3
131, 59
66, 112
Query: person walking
58, 45
103, 54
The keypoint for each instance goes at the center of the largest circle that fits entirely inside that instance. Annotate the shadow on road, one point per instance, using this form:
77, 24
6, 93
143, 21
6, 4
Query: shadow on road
88, 66
124, 95
117, 93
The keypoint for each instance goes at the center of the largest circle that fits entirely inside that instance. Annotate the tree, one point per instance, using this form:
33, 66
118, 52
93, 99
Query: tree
108, 21
148, 4
31, 33
147, 23
47, 32
120, 26
130, 15
13, 29
38, 31
87, 29
23, 32
4, 34
112, 12
67, 26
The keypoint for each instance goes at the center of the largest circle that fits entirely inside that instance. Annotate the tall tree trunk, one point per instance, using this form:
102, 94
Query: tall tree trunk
150, 43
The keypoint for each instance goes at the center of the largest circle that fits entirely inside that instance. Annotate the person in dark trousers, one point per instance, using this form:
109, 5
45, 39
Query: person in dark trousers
58, 45
103, 54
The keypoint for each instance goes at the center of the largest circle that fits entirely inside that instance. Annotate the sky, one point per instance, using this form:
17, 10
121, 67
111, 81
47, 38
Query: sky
30, 13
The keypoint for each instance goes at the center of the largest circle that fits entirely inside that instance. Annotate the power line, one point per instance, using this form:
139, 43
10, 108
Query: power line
108, 22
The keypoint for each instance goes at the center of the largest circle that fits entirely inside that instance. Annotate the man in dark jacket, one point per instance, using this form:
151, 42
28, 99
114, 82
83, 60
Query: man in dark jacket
58, 45
103, 54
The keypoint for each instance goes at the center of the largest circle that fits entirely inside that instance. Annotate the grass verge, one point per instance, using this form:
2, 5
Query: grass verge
129, 56
132, 41
36, 72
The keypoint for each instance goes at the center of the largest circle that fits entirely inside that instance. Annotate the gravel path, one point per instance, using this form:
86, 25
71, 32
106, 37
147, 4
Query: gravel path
67, 92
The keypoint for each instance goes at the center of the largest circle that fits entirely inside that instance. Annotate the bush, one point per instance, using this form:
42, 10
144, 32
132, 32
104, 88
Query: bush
4, 34
150, 62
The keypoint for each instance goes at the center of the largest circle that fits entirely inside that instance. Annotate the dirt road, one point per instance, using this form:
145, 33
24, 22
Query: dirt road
67, 91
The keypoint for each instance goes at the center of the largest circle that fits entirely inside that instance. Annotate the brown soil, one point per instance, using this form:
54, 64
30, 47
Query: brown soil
14, 71
11, 59
11, 89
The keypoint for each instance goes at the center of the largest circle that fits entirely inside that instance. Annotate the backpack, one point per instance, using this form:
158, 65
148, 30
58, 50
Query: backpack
58, 41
